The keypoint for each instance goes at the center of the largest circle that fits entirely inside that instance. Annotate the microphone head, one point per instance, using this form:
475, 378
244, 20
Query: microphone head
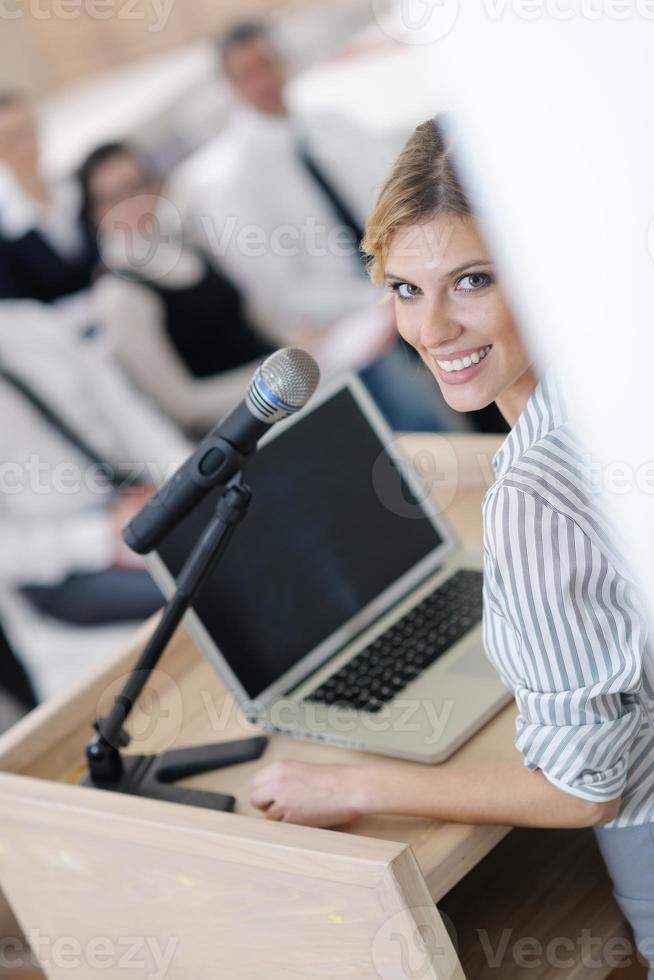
283, 384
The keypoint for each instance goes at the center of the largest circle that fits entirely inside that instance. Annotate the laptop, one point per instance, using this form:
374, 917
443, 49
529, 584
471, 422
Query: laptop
343, 609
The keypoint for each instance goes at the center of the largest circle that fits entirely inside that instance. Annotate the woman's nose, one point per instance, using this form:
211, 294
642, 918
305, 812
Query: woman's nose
438, 326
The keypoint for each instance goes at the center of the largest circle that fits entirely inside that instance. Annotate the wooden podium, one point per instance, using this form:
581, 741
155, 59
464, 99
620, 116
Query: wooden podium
108, 886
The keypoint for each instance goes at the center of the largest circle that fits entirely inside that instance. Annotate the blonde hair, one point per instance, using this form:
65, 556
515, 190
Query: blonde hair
421, 183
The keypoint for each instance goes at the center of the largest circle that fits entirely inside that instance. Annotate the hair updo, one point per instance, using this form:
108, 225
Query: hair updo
421, 183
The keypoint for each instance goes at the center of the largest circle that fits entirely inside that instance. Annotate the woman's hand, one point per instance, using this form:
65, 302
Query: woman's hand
313, 794
320, 795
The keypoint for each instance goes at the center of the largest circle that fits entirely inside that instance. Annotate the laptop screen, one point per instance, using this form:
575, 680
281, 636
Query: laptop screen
331, 526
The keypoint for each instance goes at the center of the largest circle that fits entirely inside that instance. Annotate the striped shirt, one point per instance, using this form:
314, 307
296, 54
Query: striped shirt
563, 621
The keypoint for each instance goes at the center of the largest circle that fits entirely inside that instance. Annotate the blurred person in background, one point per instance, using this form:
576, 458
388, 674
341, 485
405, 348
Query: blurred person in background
46, 252
17, 694
81, 456
280, 201
179, 327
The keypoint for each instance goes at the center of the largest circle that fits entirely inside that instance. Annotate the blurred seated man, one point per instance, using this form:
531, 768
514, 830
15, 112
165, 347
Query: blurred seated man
46, 253
179, 327
81, 453
280, 202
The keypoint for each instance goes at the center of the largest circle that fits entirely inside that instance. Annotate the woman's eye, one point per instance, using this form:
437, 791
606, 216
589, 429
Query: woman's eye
473, 281
405, 290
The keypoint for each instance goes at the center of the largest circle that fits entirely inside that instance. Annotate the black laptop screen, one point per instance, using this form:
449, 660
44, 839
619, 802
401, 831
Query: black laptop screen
331, 525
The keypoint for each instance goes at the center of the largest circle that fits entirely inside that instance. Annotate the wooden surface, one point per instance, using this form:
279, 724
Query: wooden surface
416, 861
540, 906
205, 893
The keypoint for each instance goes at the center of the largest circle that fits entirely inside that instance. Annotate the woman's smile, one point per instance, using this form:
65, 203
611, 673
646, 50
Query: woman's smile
461, 367
451, 308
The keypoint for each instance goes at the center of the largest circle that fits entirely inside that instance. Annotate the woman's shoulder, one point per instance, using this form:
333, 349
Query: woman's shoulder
122, 306
555, 481
557, 468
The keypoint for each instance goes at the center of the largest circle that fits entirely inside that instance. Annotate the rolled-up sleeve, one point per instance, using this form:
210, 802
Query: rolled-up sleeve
581, 639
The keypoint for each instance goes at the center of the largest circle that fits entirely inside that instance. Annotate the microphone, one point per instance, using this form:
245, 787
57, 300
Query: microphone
281, 386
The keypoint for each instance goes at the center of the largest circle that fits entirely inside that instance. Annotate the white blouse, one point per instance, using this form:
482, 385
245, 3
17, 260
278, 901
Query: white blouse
563, 622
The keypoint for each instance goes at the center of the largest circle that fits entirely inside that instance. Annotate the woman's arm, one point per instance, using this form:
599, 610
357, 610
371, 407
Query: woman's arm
322, 795
133, 319
510, 795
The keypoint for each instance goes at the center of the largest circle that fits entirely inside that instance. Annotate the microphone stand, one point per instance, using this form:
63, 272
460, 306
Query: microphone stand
153, 775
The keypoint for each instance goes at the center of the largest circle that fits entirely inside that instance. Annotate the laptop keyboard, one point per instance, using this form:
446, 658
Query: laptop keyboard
380, 671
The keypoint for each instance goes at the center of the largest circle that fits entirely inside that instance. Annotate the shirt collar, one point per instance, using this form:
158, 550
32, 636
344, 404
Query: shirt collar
546, 410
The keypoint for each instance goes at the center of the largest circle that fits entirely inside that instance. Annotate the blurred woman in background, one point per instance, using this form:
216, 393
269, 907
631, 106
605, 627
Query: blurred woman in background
178, 326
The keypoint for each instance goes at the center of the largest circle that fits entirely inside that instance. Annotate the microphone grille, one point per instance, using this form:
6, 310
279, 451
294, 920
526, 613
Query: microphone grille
283, 384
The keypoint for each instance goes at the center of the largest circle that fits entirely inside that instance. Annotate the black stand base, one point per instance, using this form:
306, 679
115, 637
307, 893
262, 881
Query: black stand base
152, 775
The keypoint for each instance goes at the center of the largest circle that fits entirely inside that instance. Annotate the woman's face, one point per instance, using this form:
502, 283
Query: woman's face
120, 192
18, 139
450, 308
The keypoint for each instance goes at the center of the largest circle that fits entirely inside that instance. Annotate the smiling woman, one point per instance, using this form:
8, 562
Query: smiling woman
426, 247
563, 622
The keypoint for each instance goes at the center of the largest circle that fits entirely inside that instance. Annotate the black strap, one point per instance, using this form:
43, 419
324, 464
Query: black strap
62, 427
333, 196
